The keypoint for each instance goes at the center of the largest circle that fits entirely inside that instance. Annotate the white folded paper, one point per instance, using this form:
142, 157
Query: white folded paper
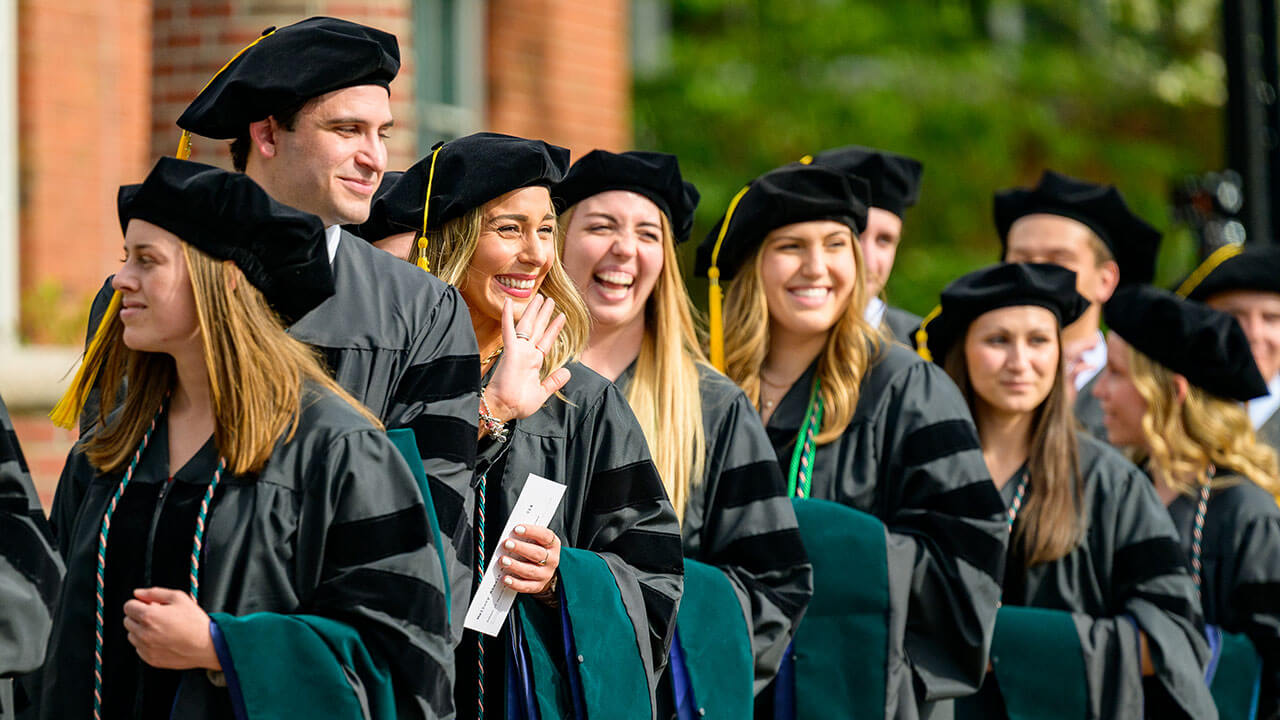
537, 504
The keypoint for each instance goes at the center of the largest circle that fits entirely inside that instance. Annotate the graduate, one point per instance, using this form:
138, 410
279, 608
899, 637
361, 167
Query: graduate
250, 541
477, 213
622, 216
1176, 373
895, 186
863, 423
1245, 284
1090, 539
30, 572
307, 108
1088, 229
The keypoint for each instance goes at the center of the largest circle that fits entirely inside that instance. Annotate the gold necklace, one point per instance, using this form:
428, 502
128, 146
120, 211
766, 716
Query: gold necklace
492, 356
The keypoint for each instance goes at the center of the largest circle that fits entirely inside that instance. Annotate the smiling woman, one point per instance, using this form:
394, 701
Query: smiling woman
237, 497
481, 211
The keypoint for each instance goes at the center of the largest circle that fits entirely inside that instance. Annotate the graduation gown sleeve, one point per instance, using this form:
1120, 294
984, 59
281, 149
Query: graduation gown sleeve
30, 569
946, 535
363, 540
901, 324
740, 520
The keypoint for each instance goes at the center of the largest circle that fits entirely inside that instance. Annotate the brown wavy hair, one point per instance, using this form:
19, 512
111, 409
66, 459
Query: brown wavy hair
1185, 438
256, 374
852, 344
1050, 523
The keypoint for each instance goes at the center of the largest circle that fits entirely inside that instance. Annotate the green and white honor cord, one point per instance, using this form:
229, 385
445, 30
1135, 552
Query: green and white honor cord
1197, 530
201, 520
800, 478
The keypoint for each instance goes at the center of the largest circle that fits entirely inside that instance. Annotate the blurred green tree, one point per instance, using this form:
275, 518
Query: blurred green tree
986, 93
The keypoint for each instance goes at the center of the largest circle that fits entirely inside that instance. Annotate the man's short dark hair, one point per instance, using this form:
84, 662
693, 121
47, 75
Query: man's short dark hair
287, 118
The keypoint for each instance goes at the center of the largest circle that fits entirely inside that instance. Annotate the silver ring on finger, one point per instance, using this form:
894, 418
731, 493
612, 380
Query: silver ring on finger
522, 336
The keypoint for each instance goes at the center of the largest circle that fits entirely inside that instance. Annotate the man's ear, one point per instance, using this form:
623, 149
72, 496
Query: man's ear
262, 137
1108, 280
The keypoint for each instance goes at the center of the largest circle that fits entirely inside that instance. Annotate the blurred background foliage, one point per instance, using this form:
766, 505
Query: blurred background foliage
987, 93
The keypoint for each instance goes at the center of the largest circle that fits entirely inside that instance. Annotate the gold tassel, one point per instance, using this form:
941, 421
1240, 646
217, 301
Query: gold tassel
1211, 263
715, 296
66, 414
715, 303
922, 334
184, 146
422, 254
426, 208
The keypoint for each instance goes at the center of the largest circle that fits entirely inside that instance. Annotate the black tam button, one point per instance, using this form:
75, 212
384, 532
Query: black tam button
280, 250
1205, 346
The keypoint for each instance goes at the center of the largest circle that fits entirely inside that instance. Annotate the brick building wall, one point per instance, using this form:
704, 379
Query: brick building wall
102, 83
558, 70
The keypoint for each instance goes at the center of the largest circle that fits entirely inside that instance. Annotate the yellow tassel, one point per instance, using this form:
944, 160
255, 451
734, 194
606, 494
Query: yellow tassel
184, 146
716, 301
422, 254
66, 414
184, 140
715, 296
922, 334
1211, 263
806, 160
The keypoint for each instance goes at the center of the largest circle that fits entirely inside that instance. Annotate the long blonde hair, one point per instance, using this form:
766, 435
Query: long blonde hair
664, 391
256, 374
450, 250
1185, 438
1050, 524
851, 346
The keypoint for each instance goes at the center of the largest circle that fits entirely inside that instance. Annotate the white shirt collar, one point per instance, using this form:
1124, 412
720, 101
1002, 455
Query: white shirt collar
1093, 360
332, 235
1261, 409
874, 312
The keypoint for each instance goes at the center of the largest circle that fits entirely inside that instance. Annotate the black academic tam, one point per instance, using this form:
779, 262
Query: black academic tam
790, 194
894, 179
461, 175
288, 66
280, 250
654, 175
1255, 268
1132, 242
999, 286
1205, 346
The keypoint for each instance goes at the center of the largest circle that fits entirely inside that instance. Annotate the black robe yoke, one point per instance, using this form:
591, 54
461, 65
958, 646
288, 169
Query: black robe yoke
1128, 565
910, 457
1240, 582
400, 341
30, 569
739, 519
900, 324
333, 526
586, 438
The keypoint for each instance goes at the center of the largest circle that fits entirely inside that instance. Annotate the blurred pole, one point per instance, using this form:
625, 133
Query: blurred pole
1249, 49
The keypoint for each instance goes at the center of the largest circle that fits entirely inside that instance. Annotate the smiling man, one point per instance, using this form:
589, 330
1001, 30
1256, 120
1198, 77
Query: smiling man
307, 108
1086, 228
1246, 285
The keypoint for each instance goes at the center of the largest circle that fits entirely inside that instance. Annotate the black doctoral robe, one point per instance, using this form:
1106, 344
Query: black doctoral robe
1240, 581
1089, 411
901, 325
1127, 574
911, 458
614, 505
400, 341
333, 526
30, 570
1269, 431
739, 519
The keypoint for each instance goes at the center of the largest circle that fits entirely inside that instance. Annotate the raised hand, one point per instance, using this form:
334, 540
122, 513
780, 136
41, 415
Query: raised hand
518, 388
